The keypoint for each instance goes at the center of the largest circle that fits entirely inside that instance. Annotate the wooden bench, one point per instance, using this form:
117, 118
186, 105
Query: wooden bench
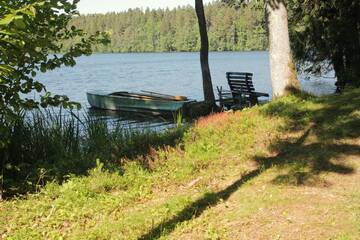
242, 91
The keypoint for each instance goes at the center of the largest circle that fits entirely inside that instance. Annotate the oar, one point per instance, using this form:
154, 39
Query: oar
178, 98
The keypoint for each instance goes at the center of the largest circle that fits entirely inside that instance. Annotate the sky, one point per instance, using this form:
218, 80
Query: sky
103, 6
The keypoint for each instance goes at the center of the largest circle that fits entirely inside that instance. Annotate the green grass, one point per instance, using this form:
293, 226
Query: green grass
229, 174
47, 146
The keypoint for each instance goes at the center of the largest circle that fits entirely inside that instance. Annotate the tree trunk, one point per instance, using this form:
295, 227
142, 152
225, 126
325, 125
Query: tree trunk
204, 53
2, 164
2, 180
3, 144
352, 55
282, 68
339, 68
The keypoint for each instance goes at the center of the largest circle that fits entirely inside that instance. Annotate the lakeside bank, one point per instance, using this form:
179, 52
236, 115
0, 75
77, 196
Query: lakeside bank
269, 171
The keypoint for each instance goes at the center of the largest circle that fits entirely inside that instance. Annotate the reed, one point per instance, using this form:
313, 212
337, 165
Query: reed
51, 146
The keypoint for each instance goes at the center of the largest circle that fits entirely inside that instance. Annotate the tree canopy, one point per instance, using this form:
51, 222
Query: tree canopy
326, 35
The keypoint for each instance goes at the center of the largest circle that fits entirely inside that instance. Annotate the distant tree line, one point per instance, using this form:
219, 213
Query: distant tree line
165, 30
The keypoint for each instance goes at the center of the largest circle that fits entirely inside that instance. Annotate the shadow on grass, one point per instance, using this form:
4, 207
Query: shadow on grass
330, 122
304, 162
334, 120
196, 208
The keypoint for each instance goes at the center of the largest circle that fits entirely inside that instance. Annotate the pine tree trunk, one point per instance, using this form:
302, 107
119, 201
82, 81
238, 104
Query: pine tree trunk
282, 68
204, 53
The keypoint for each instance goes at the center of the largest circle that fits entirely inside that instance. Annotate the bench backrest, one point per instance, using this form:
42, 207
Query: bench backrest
240, 82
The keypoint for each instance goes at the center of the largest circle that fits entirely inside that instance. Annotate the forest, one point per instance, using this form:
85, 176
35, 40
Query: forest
165, 30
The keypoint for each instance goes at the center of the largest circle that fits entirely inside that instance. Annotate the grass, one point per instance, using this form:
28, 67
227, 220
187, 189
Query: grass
288, 169
47, 146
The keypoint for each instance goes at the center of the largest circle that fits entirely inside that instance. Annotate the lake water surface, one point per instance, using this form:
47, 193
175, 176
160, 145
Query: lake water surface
170, 73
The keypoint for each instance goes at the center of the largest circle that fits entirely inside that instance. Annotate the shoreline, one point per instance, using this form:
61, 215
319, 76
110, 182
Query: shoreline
245, 168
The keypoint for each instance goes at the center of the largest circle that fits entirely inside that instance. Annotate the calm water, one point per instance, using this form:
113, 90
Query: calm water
170, 73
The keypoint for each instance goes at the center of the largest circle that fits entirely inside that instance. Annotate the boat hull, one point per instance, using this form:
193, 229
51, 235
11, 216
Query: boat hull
106, 101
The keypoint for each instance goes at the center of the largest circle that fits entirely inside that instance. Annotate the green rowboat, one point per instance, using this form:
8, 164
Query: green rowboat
136, 102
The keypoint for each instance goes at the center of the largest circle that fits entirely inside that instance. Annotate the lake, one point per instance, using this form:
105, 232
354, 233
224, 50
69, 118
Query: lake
170, 73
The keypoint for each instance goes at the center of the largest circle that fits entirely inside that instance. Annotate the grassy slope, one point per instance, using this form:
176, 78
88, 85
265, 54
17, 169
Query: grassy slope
285, 170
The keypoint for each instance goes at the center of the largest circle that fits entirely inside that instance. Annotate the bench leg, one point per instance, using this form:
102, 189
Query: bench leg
254, 100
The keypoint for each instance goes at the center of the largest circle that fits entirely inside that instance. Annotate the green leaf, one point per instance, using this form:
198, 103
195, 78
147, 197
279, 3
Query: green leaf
299, 28
7, 19
38, 86
19, 23
6, 68
4, 32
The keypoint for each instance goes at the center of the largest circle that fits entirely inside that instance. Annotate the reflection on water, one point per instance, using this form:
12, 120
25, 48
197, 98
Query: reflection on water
131, 120
318, 85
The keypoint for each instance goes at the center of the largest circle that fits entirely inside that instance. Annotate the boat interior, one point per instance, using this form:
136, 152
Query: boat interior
149, 96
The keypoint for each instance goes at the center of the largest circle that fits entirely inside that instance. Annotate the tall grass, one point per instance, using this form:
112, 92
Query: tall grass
50, 146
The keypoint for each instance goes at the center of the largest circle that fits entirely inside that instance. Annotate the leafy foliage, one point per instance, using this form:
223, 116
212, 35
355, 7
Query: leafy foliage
325, 36
31, 33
